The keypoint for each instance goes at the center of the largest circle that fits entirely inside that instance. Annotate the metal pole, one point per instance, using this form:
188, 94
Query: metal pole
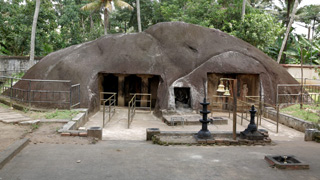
70, 96
103, 114
278, 117
11, 92
235, 109
109, 110
79, 94
29, 94
128, 114
242, 114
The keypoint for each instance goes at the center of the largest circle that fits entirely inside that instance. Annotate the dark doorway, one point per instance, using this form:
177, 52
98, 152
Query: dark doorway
182, 97
153, 89
109, 84
132, 84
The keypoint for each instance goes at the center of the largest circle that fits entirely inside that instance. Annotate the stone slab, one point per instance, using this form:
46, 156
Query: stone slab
12, 150
15, 120
29, 122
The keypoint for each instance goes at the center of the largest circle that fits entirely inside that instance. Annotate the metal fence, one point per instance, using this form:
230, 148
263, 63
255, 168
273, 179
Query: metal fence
11, 72
304, 94
51, 93
131, 109
109, 107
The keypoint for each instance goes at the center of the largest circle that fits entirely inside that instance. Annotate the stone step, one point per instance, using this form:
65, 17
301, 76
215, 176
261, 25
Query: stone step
15, 120
12, 117
29, 122
7, 113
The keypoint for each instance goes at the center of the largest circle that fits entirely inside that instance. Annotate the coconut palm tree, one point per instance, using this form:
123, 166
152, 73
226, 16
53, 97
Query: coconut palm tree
288, 30
106, 5
138, 15
311, 16
33, 33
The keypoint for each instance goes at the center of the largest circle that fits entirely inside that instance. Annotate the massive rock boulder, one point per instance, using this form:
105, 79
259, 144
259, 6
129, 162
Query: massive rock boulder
181, 54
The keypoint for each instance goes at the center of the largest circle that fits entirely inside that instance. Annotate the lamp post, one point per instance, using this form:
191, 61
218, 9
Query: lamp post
204, 133
235, 90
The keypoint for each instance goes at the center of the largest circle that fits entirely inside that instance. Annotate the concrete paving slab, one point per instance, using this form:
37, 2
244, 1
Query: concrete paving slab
136, 160
11, 116
117, 128
12, 150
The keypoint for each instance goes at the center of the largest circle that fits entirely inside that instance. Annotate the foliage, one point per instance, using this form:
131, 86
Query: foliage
260, 30
107, 7
308, 113
303, 49
61, 114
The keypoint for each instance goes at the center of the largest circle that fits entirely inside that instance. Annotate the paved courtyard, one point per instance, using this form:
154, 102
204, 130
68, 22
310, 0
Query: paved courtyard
131, 157
143, 160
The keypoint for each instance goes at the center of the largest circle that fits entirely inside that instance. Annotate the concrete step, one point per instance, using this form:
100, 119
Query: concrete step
15, 116
16, 120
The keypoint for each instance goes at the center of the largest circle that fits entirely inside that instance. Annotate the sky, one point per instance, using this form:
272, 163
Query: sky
299, 29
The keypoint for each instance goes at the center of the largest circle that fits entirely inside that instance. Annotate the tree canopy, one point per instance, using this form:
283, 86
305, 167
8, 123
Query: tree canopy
62, 23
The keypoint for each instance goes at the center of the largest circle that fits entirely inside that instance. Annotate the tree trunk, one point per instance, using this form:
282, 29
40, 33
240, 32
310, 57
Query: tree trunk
91, 23
138, 15
243, 9
288, 30
106, 21
33, 33
288, 13
314, 23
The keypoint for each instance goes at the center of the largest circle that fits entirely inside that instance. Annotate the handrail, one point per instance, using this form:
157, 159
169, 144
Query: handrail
131, 109
112, 104
147, 101
260, 110
102, 97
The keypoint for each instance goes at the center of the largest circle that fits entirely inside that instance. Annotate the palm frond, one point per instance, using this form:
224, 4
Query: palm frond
108, 6
122, 5
91, 6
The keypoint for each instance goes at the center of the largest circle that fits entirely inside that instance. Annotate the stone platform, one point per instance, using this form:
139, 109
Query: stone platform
223, 138
191, 119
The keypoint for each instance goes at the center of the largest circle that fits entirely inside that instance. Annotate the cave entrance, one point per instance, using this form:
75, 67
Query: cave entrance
132, 85
182, 97
247, 85
125, 85
109, 83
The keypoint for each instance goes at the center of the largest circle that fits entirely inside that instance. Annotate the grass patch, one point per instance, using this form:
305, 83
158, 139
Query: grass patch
4, 106
308, 112
61, 114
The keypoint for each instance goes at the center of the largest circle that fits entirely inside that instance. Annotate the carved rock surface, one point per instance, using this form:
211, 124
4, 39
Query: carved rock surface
181, 54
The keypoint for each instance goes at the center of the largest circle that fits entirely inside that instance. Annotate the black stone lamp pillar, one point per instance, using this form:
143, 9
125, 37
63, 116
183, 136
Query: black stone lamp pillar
252, 127
204, 133
251, 132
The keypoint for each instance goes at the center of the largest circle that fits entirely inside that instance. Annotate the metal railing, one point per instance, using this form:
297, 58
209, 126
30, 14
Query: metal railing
131, 109
143, 99
11, 72
111, 109
262, 112
35, 91
304, 94
104, 96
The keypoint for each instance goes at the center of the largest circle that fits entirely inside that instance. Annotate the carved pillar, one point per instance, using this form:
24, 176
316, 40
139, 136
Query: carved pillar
121, 101
144, 88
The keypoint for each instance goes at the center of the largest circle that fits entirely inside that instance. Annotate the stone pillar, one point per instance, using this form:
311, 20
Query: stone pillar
144, 89
121, 100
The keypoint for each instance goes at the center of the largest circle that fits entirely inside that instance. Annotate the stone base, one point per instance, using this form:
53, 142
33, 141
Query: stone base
256, 135
95, 132
209, 140
152, 132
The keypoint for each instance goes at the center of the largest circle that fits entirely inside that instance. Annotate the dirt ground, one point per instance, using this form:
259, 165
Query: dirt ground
42, 133
9, 133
